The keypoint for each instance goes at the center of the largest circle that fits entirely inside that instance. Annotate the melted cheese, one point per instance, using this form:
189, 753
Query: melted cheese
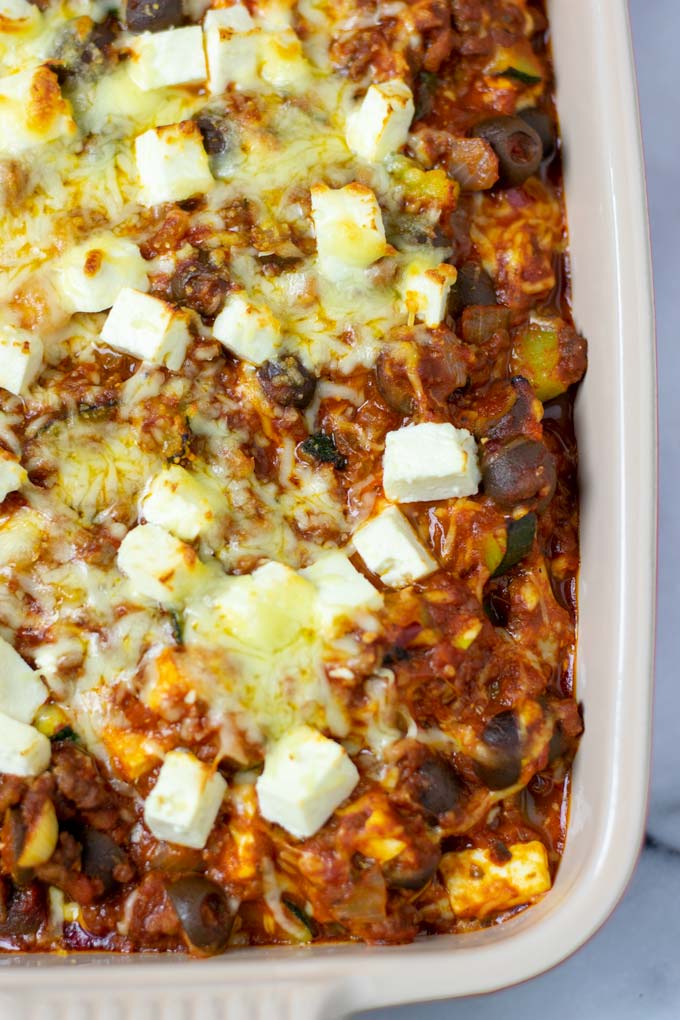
256, 657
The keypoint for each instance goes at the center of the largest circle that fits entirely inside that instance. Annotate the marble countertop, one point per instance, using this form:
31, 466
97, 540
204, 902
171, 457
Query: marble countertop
631, 969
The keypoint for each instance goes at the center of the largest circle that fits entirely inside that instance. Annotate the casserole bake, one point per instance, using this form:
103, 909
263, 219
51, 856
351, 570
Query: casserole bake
290, 522
480, 954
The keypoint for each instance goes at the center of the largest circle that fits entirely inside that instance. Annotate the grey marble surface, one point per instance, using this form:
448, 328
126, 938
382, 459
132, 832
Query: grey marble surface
631, 969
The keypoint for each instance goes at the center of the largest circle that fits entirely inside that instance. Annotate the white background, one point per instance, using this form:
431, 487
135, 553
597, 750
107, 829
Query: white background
631, 969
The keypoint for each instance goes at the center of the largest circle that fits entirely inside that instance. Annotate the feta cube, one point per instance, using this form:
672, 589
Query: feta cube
159, 566
233, 54
18, 10
175, 500
349, 228
22, 692
342, 589
237, 17
23, 750
425, 291
306, 777
477, 886
430, 461
248, 330
21, 355
283, 64
89, 276
33, 111
12, 474
147, 328
275, 14
183, 805
390, 548
172, 163
381, 123
172, 57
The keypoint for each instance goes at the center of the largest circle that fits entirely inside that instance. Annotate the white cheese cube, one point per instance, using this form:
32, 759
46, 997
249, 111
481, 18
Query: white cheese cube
172, 163
175, 500
22, 692
425, 290
349, 228
89, 276
283, 64
276, 14
21, 356
173, 57
306, 777
342, 589
477, 886
18, 10
390, 548
148, 329
233, 57
32, 111
430, 461
23, 750
12, 474
237, 17
381, 123
159, 566
183, 805
248, 330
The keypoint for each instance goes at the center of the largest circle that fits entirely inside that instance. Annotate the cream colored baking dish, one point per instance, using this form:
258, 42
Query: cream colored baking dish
617, 435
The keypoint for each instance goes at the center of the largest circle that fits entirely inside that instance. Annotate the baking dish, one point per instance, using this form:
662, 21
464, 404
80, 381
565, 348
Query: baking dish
616, 427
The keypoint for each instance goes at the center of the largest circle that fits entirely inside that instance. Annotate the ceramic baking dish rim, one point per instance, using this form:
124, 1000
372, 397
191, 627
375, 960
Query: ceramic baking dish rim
598, 108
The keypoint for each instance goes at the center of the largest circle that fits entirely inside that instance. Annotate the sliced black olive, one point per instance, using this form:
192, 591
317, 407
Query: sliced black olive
153, 15
544, 126
473, 286
517, 145
438, 786
522, 471
503, 765
558, 744
520, 535
480, 322
203, 911
404, 873
286, 381
200, 286
217, 131
322, 447
83, 54
497, 605
101, 857
392, 377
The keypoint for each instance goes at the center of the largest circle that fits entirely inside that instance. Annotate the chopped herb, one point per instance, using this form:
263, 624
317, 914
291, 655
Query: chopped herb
177, 626
425, 90
66, 733
322, 447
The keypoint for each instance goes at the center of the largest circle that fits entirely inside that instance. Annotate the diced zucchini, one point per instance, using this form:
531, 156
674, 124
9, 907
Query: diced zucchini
519, 63
536, 356
521, 535
494, 551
